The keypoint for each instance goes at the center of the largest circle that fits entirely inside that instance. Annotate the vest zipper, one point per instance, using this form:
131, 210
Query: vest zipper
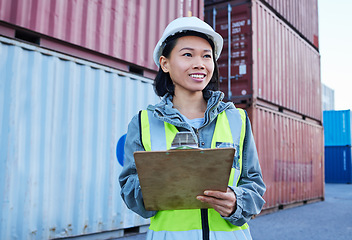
205, 224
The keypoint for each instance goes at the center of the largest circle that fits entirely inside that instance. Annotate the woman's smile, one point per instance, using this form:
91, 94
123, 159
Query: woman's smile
198, 77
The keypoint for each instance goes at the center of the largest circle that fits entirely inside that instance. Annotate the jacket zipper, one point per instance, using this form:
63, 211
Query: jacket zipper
197, 134
205, 223
203, 212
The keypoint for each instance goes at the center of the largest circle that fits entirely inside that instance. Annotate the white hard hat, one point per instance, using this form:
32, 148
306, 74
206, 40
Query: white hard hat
188, 24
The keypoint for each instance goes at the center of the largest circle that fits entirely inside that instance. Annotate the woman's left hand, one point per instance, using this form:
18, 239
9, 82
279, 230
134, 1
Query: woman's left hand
223, 202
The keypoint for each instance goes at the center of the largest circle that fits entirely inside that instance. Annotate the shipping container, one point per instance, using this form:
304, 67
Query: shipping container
327, 98
337, 128
127, 30
301, 15
338, 164
265, 59
291, 156
60, 120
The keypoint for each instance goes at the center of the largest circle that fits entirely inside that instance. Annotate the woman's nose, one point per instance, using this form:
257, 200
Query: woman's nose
198, 63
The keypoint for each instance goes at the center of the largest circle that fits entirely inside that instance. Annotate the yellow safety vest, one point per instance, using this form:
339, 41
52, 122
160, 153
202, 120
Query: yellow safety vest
187, 224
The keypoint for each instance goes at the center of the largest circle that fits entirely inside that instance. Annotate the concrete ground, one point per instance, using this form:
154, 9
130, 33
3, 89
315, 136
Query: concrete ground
330, 219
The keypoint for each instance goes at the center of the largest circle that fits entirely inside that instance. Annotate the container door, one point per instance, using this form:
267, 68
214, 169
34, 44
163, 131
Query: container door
239, 59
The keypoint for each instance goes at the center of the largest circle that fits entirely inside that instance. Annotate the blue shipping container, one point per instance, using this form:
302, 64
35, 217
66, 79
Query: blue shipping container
337, 128
338, 164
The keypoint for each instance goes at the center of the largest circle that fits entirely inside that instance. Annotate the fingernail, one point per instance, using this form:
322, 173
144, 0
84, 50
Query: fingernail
206, 193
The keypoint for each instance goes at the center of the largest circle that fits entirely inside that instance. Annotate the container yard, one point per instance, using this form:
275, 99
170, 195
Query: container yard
275, 75
71, 73
75, 72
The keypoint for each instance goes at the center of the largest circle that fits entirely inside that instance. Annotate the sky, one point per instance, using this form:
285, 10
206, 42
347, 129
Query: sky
335, 47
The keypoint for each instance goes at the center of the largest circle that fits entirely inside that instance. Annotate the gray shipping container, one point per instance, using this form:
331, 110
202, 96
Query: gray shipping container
327, 98
60, 120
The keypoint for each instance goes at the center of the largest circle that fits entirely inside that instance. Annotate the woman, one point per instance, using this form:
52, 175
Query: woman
187, 81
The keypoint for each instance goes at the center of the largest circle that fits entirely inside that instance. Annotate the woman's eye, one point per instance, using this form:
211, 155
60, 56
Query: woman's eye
207, 56
187, 54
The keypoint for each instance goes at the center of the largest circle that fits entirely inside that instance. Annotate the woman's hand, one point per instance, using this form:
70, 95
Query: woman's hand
223, 202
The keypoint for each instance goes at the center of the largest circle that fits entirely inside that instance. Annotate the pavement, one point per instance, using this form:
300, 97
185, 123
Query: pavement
325, 220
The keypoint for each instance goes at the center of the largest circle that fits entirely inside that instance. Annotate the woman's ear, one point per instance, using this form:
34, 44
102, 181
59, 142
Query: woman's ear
164, 64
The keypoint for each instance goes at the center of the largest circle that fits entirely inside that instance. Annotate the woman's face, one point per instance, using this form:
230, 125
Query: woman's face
190, 64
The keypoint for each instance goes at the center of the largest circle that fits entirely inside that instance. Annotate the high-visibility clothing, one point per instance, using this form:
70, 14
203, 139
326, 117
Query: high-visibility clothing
197, 223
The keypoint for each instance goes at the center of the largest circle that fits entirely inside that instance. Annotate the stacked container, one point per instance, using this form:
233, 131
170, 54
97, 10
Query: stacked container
121, 34
328, 98
270, 66
73, 74
337, 136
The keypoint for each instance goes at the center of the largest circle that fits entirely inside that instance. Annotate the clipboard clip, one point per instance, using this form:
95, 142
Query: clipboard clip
184, 140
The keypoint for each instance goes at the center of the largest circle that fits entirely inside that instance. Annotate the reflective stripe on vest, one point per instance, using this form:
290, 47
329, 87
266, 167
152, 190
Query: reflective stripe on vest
152, 130
188, 220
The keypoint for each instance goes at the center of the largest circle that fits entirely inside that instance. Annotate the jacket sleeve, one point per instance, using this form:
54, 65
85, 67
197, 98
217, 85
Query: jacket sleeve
251, 186
131, 191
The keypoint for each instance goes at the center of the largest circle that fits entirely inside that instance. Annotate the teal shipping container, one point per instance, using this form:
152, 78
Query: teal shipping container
337, 128
338, 164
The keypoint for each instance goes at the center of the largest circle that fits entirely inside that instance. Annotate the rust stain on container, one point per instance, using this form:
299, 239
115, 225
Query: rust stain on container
268, 59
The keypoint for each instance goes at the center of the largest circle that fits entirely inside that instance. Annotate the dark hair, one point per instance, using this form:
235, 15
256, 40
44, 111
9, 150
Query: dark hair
163, 83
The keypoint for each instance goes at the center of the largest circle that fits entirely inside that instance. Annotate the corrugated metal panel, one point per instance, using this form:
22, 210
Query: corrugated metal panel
337, 128
302, 15
338, 164
327, 98
286, 69
291, 155
269, 61
124, 29
60, 120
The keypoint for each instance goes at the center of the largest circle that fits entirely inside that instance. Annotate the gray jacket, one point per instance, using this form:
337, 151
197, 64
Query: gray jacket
250, 187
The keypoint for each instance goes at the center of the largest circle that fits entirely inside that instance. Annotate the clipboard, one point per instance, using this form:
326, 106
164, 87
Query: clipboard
171, 180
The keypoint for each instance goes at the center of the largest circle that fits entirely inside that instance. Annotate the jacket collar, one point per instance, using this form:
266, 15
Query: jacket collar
164, 109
